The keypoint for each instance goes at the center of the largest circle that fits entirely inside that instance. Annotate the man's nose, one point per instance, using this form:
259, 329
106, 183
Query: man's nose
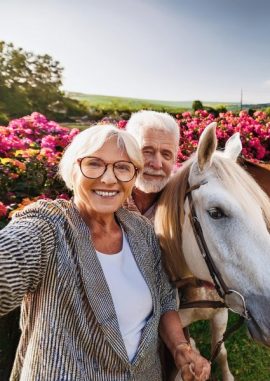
156, 161
108, 176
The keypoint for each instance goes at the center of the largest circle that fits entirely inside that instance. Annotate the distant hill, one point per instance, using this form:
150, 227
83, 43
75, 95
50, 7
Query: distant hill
99, 100
117, 108
257, 105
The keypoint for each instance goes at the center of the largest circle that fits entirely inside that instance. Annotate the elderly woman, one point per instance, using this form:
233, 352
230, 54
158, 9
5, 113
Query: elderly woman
88, 274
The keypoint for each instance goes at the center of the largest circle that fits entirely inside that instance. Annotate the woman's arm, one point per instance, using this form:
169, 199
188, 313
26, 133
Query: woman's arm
192, 365
25, 245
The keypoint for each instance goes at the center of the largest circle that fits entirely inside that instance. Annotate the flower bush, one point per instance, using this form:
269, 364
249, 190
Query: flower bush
30, 150
31, 147
254, 132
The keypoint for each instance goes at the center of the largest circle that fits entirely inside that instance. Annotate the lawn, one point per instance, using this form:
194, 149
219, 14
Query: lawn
248, 360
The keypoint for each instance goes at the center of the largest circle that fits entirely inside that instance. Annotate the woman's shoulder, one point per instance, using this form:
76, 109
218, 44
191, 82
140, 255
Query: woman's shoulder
44, 209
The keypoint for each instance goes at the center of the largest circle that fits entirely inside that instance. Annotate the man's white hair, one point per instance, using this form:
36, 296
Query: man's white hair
91, 140
142, 120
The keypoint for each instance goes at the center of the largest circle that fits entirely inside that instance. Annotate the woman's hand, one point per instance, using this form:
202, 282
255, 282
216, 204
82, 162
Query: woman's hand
192, 365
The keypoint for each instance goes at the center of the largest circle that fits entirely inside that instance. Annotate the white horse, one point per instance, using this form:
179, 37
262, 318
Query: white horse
234, 214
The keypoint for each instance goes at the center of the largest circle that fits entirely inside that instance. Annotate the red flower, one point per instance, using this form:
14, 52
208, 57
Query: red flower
3, 210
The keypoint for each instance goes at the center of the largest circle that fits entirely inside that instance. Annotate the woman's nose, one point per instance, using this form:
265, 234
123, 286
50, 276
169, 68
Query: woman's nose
108, 176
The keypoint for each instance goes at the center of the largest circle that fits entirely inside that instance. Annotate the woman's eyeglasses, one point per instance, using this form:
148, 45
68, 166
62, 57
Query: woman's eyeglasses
93, 168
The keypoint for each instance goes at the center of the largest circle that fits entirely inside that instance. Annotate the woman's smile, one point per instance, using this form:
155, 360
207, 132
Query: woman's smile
106, 193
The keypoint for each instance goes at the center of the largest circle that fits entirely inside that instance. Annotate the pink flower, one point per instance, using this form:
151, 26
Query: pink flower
63, 196
186, 114
122, 124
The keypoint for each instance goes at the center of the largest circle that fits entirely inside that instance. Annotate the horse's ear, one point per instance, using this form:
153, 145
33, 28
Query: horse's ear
233, 146
207, 146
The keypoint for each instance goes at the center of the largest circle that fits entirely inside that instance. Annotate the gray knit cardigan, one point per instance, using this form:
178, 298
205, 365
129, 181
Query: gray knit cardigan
69, 325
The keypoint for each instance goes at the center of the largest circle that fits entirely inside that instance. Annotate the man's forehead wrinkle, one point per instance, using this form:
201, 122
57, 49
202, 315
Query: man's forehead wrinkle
157, 145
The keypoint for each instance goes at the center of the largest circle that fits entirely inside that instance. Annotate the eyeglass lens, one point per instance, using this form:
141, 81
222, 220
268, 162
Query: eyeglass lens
93, 168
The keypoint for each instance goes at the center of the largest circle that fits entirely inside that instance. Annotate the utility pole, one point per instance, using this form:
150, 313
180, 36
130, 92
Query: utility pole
241, 99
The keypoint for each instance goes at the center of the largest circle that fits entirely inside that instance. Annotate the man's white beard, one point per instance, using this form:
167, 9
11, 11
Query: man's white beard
153, 186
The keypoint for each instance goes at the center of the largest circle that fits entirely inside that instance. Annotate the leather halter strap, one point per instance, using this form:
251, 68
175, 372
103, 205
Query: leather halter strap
222, 289
192, 282
202, 304
220, 285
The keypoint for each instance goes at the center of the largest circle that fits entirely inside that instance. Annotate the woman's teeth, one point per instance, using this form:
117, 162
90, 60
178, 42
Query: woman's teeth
106, 194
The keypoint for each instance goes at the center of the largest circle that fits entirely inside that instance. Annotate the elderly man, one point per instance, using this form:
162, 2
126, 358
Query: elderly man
158, 136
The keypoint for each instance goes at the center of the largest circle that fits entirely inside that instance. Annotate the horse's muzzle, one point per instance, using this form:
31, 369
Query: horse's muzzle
259, 322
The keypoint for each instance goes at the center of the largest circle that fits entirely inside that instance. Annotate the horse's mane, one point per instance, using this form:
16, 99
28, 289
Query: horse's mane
169, 219
169, 216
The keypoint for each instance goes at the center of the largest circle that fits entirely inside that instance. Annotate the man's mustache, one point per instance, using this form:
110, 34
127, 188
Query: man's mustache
154, 172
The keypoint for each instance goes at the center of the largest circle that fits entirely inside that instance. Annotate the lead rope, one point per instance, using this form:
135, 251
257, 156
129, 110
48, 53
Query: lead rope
228, 333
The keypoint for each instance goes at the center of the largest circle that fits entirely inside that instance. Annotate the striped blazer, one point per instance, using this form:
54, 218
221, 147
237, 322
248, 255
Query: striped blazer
69, 325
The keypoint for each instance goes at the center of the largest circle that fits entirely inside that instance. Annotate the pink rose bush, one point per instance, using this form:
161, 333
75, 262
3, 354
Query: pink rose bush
254, 132
31, 147
30, 150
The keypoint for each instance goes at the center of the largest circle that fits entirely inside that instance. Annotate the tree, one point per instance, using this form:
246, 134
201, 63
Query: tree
197, 105
30, 82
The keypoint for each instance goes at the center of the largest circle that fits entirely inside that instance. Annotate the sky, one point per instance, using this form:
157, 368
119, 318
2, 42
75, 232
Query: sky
175, 50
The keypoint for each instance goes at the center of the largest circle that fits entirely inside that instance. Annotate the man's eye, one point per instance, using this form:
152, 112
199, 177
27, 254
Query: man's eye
148, 152
167, 156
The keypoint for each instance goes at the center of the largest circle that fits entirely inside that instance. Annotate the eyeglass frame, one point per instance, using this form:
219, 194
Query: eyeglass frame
106, 166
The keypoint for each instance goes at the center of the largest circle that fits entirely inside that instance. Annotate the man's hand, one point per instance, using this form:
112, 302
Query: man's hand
192, 365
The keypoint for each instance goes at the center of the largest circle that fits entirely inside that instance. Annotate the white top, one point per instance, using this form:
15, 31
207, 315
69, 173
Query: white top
131, 296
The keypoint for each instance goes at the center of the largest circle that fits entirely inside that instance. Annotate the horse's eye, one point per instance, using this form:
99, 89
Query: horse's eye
216, 213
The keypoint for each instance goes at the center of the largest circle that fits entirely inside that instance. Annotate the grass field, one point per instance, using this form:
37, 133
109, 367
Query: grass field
248, 360
121, 103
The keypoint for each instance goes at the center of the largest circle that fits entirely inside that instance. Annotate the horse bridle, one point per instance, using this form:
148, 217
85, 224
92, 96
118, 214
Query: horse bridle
220, 285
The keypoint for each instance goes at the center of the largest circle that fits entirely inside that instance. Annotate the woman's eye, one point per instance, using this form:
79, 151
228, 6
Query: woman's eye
94, 164
216, 213
123, 168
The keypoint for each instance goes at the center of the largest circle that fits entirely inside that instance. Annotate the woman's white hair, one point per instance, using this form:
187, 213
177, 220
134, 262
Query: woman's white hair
91, 140
141, 120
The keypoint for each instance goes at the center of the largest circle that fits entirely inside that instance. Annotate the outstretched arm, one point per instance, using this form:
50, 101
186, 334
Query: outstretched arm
25, 246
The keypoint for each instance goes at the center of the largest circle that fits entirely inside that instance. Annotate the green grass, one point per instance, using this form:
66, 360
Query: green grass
248, 361
80, 126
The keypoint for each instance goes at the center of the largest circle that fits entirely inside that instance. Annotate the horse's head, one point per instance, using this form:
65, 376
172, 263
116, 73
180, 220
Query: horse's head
234, 214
